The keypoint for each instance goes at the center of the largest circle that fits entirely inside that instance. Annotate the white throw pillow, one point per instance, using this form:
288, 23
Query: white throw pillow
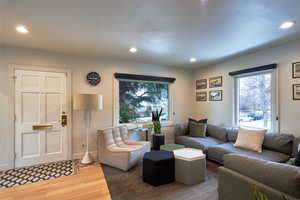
250, 139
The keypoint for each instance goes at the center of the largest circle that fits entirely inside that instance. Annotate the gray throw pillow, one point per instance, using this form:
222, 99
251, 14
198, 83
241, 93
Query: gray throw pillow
197, 129
282, 143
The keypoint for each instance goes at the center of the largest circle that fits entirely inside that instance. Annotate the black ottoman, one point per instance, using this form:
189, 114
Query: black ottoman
158, 167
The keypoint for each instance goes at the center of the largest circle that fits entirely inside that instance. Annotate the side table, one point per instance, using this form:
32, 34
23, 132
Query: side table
190, 166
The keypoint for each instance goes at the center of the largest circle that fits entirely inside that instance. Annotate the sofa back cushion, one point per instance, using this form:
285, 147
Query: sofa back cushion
283, 177
232, 134
217, 132
181, 130
282, 143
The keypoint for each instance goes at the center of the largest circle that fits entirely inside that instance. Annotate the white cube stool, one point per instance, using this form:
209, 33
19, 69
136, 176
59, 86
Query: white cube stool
190, 166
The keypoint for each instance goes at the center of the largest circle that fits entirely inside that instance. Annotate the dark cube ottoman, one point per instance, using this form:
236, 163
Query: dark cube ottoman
158, 167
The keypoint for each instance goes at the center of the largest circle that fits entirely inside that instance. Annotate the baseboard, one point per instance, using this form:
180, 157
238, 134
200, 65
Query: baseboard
4, 167
81, 154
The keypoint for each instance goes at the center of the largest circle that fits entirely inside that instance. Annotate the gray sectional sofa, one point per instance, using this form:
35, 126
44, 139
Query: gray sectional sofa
241, 175
244, 170
219, 142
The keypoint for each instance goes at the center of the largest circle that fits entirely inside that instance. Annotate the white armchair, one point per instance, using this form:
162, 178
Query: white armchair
116, 152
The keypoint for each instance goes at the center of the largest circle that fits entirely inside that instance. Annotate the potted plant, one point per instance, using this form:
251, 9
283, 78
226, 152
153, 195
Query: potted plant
158, 138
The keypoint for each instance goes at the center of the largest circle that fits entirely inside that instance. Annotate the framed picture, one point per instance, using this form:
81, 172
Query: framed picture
201, 96
215, 95
201, 84
296, 91
215, 82
296, 70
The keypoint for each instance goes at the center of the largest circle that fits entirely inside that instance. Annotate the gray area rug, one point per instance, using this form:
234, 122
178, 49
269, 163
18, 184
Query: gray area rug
130, 186
26, 175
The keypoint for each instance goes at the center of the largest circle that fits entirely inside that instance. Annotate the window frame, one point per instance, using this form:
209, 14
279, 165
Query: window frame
116, 106
274, 98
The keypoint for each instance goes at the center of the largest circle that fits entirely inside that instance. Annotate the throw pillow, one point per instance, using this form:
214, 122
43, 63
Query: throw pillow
250, 139
197, 129
199, 121
297, 160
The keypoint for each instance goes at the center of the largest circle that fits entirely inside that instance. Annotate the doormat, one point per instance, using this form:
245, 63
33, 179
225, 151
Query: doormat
33, 174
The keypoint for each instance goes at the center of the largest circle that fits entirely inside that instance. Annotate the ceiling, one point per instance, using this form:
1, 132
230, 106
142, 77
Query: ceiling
166, 32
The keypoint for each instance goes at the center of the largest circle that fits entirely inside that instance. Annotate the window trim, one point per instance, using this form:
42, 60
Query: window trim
116, 106
274, 98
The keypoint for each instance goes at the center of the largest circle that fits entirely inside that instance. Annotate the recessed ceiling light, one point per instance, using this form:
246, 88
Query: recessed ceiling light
192, 60
22, 29
287, 25
133, 50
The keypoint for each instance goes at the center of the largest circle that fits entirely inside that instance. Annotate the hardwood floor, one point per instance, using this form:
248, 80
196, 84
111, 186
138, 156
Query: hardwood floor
88, 184
130, 186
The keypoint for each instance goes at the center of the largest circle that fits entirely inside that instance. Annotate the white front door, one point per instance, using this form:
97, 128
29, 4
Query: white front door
40, 100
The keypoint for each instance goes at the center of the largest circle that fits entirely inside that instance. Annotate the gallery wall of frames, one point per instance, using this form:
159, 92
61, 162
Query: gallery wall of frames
214, 93
296, 87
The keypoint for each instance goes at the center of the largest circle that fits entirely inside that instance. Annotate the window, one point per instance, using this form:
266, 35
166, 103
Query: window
137, 100
256, 100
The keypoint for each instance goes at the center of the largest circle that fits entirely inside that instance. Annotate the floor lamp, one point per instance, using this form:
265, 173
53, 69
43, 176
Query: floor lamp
88, 103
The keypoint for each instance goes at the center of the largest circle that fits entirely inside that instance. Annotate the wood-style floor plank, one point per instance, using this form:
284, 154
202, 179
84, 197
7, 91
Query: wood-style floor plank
88, 184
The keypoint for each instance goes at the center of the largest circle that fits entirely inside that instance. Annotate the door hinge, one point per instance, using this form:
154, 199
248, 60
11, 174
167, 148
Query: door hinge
14, 77
15, 117
15, 155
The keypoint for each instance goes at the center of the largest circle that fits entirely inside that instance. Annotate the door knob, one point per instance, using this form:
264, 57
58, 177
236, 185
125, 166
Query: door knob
64, 119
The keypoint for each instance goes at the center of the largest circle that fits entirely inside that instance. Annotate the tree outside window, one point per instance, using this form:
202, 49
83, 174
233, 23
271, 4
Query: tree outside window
255, 101
138, 99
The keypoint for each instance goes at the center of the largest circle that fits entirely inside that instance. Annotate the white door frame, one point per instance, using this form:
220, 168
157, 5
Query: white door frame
11, 136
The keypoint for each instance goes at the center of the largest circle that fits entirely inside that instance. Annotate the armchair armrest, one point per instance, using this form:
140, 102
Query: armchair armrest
115, 149
137, 142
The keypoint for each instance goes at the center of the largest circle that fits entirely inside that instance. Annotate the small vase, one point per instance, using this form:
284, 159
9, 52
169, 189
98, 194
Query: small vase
157, 141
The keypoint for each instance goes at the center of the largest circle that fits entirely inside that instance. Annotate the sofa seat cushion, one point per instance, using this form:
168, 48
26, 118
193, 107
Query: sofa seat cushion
198, 143
217, 152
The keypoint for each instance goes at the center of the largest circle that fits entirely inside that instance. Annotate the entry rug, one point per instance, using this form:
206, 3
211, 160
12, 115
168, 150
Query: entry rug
26, 175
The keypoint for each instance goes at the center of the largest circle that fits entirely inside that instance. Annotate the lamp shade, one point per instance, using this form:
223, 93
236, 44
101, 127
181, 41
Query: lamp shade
88, 102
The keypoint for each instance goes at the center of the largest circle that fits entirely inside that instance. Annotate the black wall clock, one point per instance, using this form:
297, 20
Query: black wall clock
93, 78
